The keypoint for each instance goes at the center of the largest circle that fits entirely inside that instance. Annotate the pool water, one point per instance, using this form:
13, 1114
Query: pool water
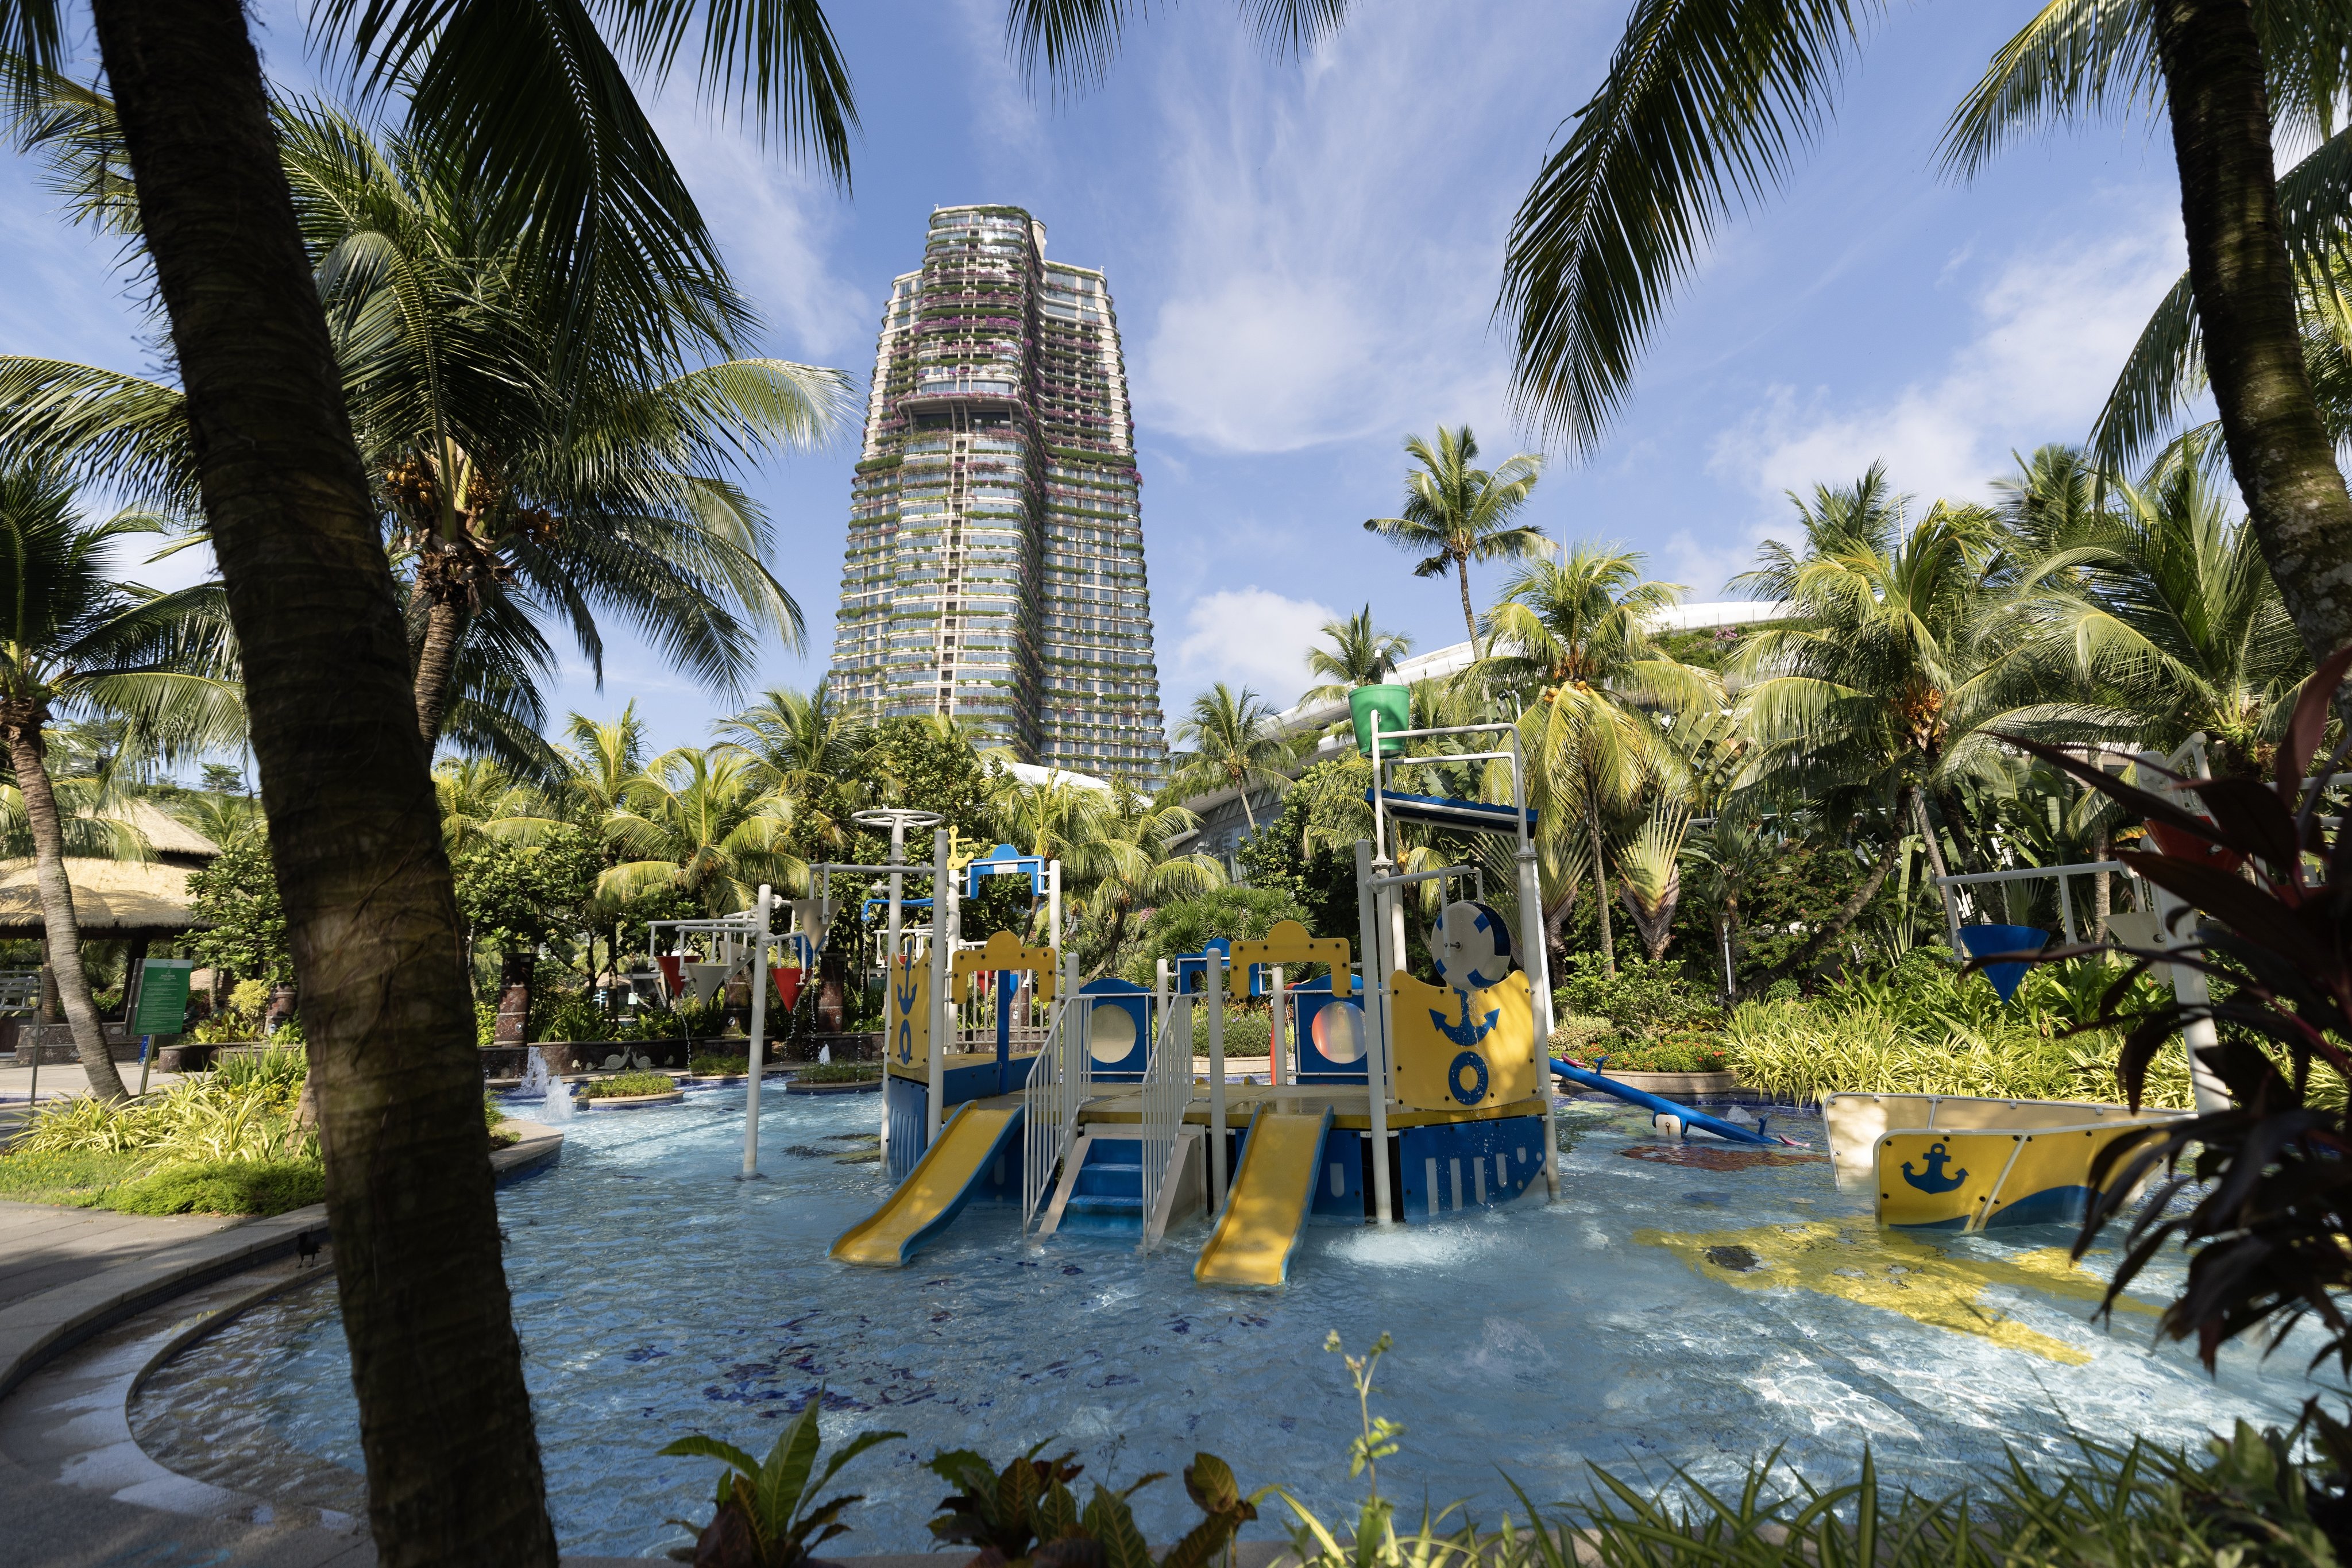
1679, 1306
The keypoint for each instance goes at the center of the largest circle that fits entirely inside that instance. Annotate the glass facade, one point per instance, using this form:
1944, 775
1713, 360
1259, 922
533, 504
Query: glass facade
994, 570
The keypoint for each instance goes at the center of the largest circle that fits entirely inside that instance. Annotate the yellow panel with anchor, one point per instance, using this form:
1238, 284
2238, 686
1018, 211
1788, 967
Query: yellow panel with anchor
1462, 1050
1967, 1179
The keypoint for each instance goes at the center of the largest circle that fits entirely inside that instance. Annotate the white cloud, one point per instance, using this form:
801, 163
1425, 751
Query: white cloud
2053, 328
1243, 636
1332, 242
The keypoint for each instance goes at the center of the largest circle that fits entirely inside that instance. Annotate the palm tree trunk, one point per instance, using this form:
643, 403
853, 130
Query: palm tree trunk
2237, 267
1600, 899
28, 755
436, 663
1799, 960
453, 1466
1469, 619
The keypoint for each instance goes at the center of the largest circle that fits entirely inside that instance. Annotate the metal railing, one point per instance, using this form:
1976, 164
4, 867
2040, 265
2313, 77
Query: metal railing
1166, 1092
1059, 1084
20, 990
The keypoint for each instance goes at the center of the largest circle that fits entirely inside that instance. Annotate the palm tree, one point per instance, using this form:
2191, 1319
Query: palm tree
510, 496
72, 636
1133, 864
802, 748
697, 821
1876, 691
1570, 640
1233, 745
551, 128
1704, 102
1359, 656
2162, 607
1462, 514
482, 803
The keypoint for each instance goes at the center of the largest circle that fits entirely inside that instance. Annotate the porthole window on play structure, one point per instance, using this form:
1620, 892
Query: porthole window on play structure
1339, 1032
1111, 1035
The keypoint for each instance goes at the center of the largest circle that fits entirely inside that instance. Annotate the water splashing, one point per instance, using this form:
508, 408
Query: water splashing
538, 1083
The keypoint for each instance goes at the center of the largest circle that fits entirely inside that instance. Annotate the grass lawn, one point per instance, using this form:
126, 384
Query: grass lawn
134, 1183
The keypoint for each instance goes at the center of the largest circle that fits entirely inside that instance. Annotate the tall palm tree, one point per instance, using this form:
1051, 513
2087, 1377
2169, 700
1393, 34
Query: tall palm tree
73, 636
552, 127
1571, 643
1703, 103
696, 821
1877, 691
1359, 656
1232, 745
1134, 866
1460, 513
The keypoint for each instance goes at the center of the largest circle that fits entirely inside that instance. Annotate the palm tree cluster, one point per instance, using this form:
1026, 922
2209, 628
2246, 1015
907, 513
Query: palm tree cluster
1868, 723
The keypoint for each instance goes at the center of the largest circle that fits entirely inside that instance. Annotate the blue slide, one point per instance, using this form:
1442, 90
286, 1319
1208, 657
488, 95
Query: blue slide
1586, 1077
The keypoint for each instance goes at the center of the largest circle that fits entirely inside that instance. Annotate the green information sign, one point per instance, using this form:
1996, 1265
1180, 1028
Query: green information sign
162, 996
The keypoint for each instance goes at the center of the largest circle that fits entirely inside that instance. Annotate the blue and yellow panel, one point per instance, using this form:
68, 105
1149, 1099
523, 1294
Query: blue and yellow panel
906, 1012
1462, 1050
1957, 1179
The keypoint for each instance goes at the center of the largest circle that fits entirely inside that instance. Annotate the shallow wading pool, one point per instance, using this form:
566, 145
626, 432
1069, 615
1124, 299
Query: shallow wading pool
1680, 1306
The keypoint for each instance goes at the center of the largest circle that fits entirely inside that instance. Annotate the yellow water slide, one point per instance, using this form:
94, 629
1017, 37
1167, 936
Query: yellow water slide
1265, 1212
934, 1192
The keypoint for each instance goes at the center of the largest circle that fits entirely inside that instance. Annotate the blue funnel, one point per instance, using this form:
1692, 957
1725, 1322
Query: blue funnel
1983, 941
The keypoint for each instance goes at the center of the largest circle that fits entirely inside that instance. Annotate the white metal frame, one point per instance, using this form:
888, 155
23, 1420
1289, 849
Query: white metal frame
1381, 917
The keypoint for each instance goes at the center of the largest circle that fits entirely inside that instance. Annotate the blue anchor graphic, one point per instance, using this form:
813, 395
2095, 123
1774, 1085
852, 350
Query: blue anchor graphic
906, 999
1464, 1034
1933, 1179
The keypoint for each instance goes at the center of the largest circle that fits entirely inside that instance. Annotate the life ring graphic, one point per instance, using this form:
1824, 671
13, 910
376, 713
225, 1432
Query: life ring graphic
1477, 1066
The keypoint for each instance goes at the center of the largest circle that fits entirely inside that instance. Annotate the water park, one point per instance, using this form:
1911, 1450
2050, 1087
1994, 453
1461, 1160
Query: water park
1065, 1208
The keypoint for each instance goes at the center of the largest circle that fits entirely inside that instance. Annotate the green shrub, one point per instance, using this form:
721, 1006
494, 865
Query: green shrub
486, 1023
1800, 1052
574, 1018
210, 1116
704, 1064
224, 1186
1674, 1053
274, 1069
1642, 998
838, 1072
1576, 1034
1247, 1031
249, 996
622, 1085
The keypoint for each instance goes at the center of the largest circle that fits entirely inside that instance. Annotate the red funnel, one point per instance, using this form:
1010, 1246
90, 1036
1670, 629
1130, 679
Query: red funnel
673, 973
788, 985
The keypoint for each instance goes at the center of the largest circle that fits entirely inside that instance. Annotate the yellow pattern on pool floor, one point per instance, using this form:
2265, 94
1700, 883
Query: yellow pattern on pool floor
1859, 1261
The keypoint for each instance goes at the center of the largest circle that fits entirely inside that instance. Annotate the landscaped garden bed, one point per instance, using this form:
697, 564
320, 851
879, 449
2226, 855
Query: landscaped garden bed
835, 1078
631, 1089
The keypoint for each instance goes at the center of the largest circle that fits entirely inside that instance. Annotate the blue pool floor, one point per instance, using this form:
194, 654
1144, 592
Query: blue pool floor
1663, 1314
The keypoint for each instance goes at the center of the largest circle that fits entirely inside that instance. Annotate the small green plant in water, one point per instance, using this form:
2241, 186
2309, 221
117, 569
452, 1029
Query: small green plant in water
767, 1514
626, 1085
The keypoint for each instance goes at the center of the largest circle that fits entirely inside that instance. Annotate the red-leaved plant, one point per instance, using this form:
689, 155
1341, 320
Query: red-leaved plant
2270, 873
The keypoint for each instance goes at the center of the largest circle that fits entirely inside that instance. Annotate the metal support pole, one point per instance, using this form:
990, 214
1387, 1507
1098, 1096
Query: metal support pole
1373, 997
1276, 1027
1538, 973
889, 966
941, 893
1053, 903
1217, 1156
750, 1170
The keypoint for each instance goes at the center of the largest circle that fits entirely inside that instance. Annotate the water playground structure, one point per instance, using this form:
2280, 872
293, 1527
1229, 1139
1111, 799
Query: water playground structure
1006, 1080
1388, 1103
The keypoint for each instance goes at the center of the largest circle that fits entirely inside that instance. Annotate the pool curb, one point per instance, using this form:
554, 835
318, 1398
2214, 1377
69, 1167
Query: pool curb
41, 1327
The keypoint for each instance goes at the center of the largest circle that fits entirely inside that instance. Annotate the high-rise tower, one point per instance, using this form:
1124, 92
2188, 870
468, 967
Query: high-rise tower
994, 569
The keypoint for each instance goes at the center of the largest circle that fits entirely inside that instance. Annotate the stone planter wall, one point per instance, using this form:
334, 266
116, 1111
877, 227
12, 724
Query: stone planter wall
54, 1042
1688, 1086
586, 1056
863, 1045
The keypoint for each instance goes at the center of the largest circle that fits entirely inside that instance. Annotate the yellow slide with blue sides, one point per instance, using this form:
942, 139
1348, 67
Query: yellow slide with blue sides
1265, 1212
934, 1192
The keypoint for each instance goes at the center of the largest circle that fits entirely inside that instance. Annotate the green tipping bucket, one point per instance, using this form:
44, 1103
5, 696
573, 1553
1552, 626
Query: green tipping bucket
1392, 703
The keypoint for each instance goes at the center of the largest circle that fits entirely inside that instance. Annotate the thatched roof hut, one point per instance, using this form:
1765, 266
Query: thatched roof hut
118, 900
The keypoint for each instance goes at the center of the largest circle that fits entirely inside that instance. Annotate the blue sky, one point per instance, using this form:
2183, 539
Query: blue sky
1305, 255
